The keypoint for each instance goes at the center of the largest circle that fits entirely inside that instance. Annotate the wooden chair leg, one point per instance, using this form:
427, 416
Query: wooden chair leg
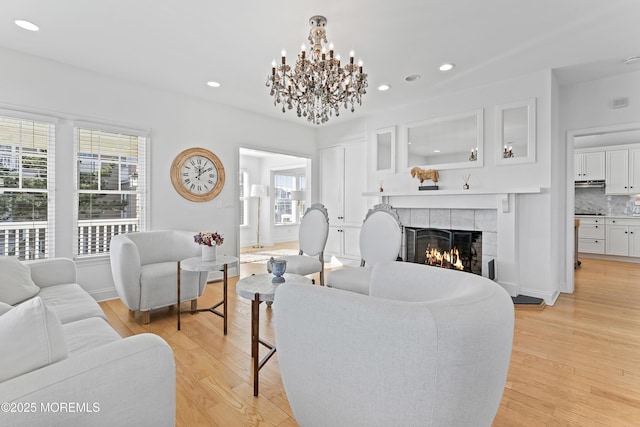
194, 304
146, 317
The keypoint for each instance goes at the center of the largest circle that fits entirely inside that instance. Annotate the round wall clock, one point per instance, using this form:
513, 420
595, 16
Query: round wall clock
197, 174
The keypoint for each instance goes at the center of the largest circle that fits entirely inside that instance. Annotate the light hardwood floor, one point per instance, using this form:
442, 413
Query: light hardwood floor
576, 363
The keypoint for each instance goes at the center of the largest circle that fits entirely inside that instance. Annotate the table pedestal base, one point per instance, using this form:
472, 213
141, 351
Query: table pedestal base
213, 308
256, 340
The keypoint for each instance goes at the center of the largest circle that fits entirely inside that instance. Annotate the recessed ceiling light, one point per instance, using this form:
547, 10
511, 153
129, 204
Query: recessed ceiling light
26, 25
412, 77
384, 87
436, 151
632, 60
213, 84
446, 67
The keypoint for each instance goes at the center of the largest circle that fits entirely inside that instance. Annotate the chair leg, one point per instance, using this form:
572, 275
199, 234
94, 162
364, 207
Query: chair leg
132, 313
146, 317
322, 277
194, 304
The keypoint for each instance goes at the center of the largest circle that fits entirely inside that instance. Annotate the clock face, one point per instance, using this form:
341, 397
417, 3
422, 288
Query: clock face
197, 174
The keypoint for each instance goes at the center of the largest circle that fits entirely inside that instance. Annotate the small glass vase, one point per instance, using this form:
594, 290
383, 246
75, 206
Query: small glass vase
209, 253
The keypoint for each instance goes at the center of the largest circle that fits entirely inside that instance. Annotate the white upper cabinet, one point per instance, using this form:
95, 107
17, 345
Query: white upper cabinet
623, 171
589, 166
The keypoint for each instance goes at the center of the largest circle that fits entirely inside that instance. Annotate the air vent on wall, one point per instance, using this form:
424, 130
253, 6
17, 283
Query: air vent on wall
620, 103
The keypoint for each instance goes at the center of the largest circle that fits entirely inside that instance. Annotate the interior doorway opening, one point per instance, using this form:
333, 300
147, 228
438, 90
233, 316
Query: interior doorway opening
274, 190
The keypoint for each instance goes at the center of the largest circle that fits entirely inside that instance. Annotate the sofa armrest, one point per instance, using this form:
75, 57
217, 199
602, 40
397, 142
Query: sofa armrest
53, 271
128, 382
126, 269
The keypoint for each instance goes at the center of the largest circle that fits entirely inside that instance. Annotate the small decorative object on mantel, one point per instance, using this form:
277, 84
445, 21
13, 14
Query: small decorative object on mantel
508, 152
465, 179
423, 174
277, 267
381, 188
209, 243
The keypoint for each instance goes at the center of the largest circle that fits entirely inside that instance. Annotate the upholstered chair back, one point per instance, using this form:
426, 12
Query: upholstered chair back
380, 236
314, 230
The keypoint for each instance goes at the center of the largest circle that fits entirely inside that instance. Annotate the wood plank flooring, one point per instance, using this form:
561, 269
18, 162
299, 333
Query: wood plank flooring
576, 363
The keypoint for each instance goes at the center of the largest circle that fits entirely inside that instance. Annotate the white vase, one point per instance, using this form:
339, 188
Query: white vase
209, 253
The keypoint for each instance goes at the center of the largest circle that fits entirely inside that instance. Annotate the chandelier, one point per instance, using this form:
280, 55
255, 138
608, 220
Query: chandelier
318, 85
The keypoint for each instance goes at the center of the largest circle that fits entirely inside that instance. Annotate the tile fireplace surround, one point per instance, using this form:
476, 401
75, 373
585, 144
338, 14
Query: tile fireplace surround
492, 212
484, 220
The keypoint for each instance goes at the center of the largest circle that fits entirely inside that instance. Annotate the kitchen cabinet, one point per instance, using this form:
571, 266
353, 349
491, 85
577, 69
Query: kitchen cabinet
623, 237
591, 235
622, 171
342, 172
589, 166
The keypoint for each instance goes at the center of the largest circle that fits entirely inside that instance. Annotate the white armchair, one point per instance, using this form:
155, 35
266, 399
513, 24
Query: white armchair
427, 347
312, 237
144, 268
380, 240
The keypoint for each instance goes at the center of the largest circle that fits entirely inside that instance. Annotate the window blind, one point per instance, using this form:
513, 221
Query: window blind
110, 186
27, 185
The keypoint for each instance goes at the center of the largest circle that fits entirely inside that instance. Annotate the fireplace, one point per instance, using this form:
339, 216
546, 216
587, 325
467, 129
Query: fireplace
461, 249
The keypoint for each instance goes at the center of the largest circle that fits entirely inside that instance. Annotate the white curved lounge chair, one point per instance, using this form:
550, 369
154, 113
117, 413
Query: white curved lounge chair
428, 347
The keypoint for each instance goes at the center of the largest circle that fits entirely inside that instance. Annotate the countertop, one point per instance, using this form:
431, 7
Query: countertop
618, 216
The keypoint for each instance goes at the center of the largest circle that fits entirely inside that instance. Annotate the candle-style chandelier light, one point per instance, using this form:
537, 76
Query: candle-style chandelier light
318, 85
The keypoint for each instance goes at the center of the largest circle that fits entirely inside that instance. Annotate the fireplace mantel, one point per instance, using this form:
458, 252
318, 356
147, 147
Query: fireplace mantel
472, 198
470, 192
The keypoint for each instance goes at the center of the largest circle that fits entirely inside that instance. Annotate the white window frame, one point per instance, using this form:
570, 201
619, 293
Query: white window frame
38, 237
297, 209
92, 237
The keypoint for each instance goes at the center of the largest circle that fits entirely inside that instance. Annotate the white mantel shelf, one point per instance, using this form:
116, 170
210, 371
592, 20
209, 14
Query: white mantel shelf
450, 192
460, 199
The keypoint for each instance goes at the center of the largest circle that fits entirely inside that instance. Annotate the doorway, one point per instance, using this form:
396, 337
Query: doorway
594, 199
274, 190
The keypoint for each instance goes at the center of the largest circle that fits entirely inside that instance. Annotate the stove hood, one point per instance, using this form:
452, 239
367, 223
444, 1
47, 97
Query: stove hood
590, 184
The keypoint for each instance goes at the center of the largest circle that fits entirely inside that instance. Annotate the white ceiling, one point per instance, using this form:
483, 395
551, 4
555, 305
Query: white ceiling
180, 45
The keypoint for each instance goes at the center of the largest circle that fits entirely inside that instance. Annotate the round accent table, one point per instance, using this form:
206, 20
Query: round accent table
259, 288
197, 264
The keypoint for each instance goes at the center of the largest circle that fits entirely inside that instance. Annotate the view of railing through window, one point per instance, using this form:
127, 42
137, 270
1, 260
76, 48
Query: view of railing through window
110, 171
26, 182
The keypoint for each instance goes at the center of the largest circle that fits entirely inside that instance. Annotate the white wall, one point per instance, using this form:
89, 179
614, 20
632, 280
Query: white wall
176, 123
538, 275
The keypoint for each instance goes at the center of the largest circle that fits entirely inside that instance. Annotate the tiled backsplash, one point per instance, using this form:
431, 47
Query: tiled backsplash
593, 200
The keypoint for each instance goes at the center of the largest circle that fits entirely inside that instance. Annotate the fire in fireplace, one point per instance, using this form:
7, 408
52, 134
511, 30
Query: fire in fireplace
459, 249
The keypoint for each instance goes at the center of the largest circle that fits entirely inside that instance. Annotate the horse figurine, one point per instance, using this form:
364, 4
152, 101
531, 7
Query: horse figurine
423, 174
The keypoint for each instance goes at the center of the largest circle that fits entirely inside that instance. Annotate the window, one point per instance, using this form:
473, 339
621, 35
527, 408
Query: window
110, 172
244, 198
287, 210
26, 187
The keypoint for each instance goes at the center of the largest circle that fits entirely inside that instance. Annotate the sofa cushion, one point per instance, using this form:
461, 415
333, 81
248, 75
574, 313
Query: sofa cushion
4, 307
302, 264
32, 337
350, 279
159, 285
70, 302
16, 284
87, 334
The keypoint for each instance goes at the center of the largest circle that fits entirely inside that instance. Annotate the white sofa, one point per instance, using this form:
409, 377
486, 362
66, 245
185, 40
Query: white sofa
144, 268
426, 347
63, 365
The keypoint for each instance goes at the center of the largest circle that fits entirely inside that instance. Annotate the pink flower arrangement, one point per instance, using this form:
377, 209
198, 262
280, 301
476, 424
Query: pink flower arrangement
208, 239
